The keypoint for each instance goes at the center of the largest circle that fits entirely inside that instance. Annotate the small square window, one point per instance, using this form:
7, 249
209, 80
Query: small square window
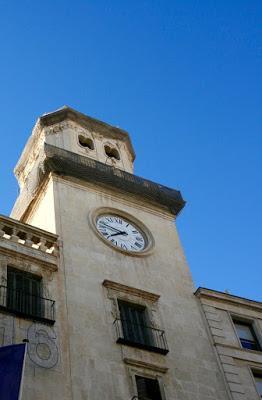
147, 388
258, 381
246, 335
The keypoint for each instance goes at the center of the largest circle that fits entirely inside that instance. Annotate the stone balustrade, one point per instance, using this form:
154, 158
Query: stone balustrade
28, 235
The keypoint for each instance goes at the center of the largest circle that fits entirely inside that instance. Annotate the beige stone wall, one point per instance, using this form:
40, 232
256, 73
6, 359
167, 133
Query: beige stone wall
237, 363
100, 368
43, 209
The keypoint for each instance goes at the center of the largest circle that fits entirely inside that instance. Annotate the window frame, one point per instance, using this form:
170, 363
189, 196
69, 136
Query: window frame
149, 379
134, 371
251, 323
254, 372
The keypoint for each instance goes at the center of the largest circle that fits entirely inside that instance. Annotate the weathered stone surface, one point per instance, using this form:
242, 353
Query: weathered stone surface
236, 362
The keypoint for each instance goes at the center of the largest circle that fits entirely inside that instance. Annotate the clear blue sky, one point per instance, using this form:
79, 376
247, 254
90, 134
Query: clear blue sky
184, 78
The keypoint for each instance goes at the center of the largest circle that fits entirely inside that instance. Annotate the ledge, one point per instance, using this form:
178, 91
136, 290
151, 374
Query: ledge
130, 290
64, 162
143, 364
239, 353
142, 346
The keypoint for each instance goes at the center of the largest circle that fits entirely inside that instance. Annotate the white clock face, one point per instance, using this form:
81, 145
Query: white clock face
121, 233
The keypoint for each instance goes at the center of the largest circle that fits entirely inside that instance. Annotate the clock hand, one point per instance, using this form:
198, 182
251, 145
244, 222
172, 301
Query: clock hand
110, 227
119, 233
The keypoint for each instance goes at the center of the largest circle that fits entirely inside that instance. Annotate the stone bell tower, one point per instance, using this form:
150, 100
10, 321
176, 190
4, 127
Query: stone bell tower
131, 326
73, 131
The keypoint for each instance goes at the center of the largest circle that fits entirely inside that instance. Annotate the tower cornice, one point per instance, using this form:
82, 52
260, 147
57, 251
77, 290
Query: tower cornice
64, 162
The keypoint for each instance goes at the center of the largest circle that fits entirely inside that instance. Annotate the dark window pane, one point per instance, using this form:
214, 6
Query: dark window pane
258, 380
147, 389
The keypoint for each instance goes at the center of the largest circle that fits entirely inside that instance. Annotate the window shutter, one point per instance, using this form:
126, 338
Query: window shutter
141, 388
134, 324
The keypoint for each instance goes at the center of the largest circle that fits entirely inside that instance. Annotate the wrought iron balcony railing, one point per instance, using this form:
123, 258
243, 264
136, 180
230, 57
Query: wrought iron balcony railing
140, 336
27, 305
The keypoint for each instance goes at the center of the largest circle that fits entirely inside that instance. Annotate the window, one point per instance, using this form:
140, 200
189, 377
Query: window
147, 389
246, 335
86, 142
135, 323
133, 329
112, 152
258, 381
24, 293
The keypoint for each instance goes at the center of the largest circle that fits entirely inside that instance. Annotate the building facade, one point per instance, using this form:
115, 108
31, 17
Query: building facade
94, 277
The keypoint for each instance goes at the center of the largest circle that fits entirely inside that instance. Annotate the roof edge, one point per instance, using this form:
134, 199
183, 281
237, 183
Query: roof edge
226, 297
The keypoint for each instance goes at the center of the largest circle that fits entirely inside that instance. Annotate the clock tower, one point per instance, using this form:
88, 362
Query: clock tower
127, 323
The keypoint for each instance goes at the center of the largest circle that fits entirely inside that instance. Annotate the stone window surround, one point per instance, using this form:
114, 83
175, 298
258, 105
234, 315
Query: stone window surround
253, 371
253, 322
117, 291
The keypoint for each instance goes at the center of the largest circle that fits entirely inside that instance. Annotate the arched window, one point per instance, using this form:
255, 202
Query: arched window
86, 142
112, 152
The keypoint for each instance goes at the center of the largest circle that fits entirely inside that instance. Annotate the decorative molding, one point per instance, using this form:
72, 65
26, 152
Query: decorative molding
111, 193
64, 162
119, 287
143, 364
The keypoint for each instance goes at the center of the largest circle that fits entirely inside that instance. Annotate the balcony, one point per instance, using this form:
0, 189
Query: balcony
140, 336
29, 242
26, 305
